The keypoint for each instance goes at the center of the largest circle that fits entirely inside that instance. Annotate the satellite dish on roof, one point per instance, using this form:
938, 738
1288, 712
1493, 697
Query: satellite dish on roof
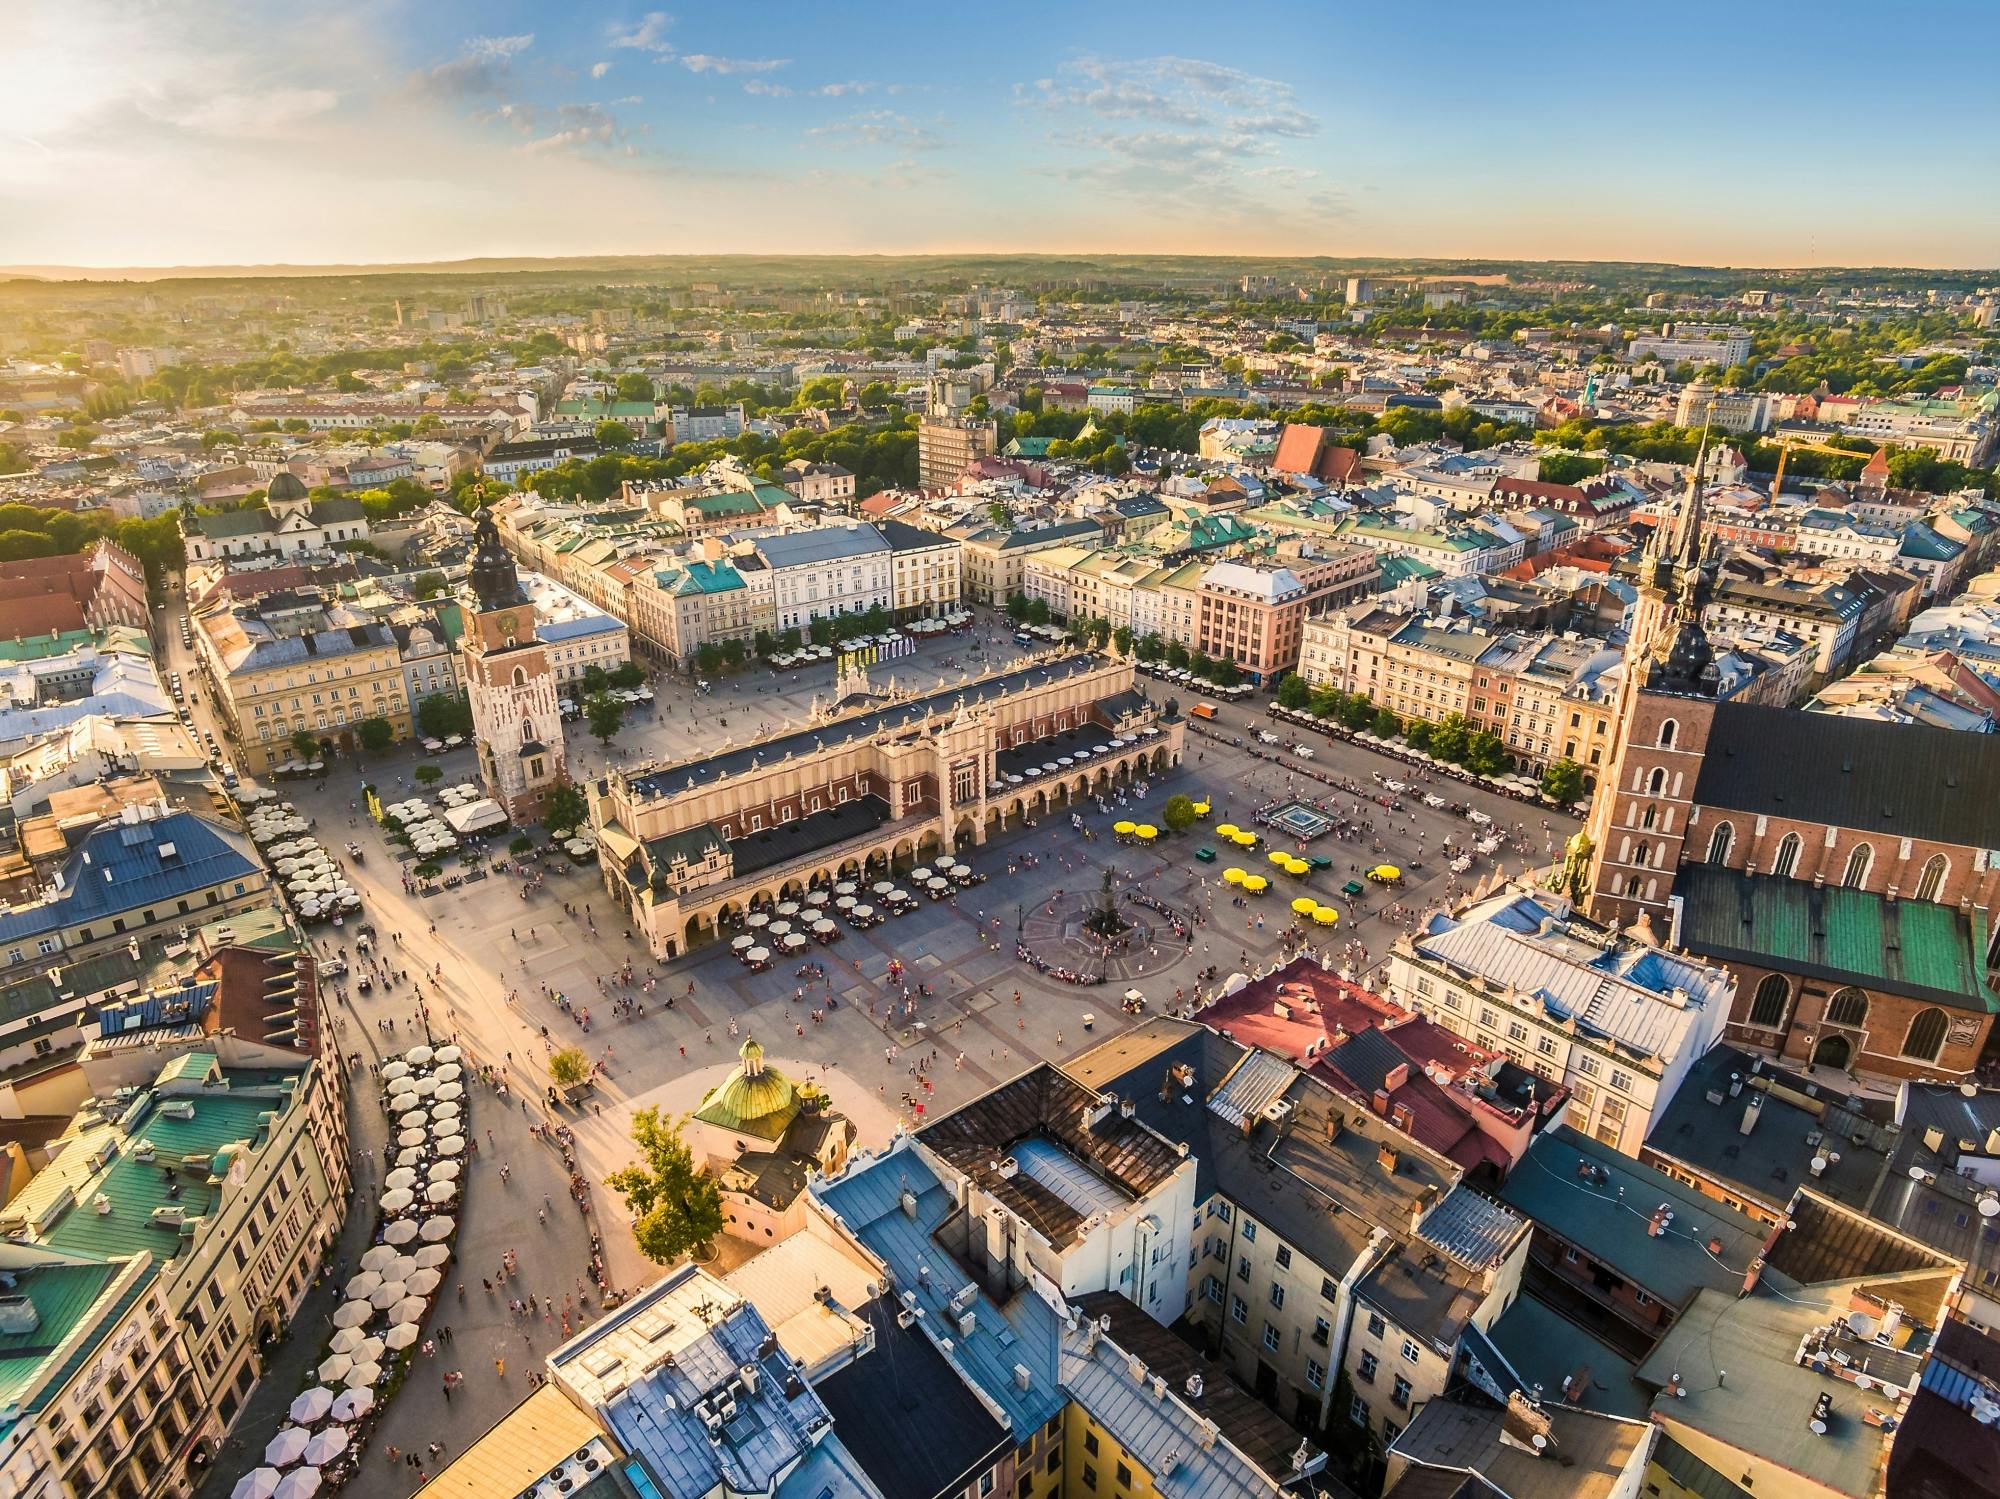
1989, 1205
1916, 1173
1862, 1325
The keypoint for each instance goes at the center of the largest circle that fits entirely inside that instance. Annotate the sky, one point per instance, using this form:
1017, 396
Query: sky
188, 132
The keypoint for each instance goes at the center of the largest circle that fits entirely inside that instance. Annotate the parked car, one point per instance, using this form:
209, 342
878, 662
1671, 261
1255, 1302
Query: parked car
1303, 751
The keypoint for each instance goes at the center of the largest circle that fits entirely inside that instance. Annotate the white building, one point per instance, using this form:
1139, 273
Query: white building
578, 634
1693, 343
828, 571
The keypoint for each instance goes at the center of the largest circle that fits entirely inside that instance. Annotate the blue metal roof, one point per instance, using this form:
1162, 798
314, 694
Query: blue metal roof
122, 866
1025, 1333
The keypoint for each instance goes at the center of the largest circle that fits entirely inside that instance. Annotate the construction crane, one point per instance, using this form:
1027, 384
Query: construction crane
1785, 446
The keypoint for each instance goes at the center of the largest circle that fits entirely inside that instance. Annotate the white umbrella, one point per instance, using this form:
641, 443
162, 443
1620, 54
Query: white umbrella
449, 1073
362, 1374
438, 1228
402, 1176
758, 919
440, 1192
452, 1144
364, 1284
353, 1313
300, 1483
823, 926
387, 1295
409, 1309
451, 1091
882, 887
845, 903
395, 1200
346, 1339
444, 1171
312, 1405
448, 1054
402, 1268
415, 1119
419, 1056
423, 1282
349, 1404
862, 913
400, 1232
393, 1070
759, 955
845, 887
410, 1156
738, 944
426, 1086
333, 1369
788, 908
794, 941
368, 1351
410, 1138
446, 1110
258, 1483
326, 1445
429, 1258
402, 1335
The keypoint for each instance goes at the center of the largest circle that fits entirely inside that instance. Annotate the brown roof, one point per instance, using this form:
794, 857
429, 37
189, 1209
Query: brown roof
23, 615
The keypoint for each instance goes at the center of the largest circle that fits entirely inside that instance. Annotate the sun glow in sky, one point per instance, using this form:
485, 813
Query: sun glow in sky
155, 133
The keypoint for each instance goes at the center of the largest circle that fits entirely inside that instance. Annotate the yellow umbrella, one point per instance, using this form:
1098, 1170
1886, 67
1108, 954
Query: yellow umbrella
1279, 856
1148, 832
1123, 825
1256, 884
1201, 809
1326, 916
1246, 840
1386, 872
1305, 905
1233, 876
1225, 829
1298, 867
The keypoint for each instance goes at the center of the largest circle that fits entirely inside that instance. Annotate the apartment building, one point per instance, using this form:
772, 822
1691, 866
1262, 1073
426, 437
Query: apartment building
949, 445
1692, 343
286, 664
994, 557
579, 636
1704, 405
818, 483
1614, 1019
828, 571
679, 605
926, 576
225, 1180
1255, 613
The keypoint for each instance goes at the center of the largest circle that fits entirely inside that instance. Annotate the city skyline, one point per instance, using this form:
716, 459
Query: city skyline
245, 134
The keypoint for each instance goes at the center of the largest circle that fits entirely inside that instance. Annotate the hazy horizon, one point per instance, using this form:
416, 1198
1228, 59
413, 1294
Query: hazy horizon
245, 134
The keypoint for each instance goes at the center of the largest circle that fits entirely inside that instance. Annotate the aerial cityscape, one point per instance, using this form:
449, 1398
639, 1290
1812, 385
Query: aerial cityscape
755, 754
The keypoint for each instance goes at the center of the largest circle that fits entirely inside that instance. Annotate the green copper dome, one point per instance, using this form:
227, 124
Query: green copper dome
753, 1099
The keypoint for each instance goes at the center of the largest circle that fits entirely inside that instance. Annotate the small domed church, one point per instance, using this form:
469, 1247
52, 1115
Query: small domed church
764, 1136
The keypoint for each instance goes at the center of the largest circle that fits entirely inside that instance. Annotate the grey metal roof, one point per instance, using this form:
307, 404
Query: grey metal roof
1259, 1081
821, 544
1471, 1228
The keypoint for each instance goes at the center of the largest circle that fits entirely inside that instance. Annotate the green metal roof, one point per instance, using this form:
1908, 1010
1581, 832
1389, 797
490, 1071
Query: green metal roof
23, 1356
1910, 947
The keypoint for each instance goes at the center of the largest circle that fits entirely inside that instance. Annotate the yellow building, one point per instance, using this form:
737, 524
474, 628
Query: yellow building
282, 666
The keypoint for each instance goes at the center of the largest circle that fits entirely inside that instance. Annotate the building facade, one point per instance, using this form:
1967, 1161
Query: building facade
510, 682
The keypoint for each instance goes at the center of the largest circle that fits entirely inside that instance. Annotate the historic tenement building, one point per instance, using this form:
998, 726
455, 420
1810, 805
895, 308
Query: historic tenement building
688, 845
1843, 868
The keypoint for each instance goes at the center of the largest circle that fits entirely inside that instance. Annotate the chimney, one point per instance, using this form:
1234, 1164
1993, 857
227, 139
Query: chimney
1892, 1320
1401, 1117
1751, 1110
1334, 1123
1656, 1226
1420, 1206
1387, 1159
1396, 1076
1379, 1102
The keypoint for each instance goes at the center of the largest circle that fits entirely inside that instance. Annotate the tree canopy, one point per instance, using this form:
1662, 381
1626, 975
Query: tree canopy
675, 1205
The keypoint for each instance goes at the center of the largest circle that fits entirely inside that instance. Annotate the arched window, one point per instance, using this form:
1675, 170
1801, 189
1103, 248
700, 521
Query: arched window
1656, 782
1650, 816
1857, 867
1788, 856
1925, 1040
520, 676
1848, 1006
1768, 1008
1667, 729
527, 732
1931, 882
1643, 855
1719, 842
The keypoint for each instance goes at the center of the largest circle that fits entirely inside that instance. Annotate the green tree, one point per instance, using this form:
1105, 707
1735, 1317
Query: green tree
732, 653
1485, 755
566, 807
1038, 611
427, 775
614, 435
1448, 738
675, 1205
1122, 639
1417, 733
568, 1066
444, 714
1198, 664
1385, 724
429, 585
1177, 656
1326, 701
765, 643
1178, 813
1150, 647
305, 743
375, 734
630, 674
1293, 691
635, 387
1100, 633
605, 714
997, 513
708, 658
1562, 782
1224, 672
1017, 607
595, 678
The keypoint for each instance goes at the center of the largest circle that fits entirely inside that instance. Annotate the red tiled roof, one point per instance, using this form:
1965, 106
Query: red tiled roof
1298, 448
1317, 1005
39, 614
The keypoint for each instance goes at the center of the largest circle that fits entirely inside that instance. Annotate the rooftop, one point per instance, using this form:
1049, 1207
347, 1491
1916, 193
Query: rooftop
1586, 1454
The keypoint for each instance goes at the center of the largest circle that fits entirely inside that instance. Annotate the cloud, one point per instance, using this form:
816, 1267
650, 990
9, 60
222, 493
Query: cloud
650, 35
599, 69
577, 127
703, 62
879, 127
244, 113
482, 67
839, 90
768, 89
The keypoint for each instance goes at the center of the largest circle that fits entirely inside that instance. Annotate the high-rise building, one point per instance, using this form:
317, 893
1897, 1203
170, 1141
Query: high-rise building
515, 720
948, 446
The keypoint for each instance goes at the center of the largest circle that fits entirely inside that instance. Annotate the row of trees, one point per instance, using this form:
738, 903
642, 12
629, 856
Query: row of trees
30, 531
880, 457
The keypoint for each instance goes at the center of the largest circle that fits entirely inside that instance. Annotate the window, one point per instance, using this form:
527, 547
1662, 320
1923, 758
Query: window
1239, 1309
1125, 1475
1212, 1289
1642, 1298
1249, 1232
1243, 1267
1667, 729
1328, 1290
1376, 1326
1277, 1294
1284, 1258
1931, 881
1719, 843
1365, 1370
1390, 1431
1656, 782
1089, 1476
1622, 1081
1848, 1006
1516, 1031
1925, 1039
1570, 1256
1546, 1045
1857, 867
1271, 1336
1400, 1394
1587, 1065
1773, 993
1411, 1352
1787, 860
1357, 1411
1090, 1442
